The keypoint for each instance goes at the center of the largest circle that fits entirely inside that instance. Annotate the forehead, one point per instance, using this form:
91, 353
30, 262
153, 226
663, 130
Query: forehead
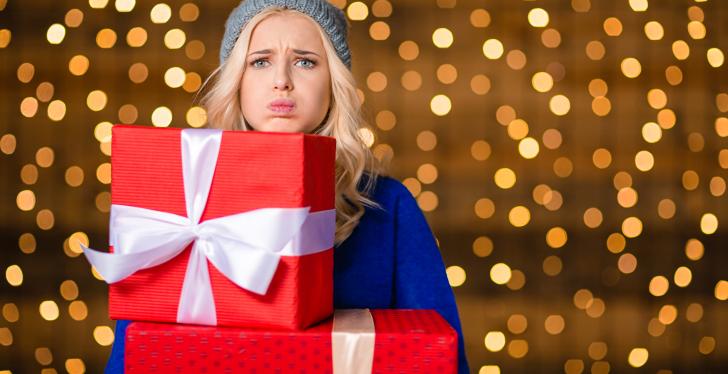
287, 30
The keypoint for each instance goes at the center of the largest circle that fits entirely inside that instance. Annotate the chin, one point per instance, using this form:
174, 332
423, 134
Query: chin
281, 125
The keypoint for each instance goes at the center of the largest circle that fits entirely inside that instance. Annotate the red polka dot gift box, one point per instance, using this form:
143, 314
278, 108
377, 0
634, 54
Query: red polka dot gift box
353, 341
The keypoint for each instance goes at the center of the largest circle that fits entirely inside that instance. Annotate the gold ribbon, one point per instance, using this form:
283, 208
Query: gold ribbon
352, 341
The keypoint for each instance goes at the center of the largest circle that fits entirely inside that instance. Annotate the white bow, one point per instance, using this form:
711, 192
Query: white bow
245, 247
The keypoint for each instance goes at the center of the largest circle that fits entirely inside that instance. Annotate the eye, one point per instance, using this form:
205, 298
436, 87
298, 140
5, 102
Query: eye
306, 63
258, 63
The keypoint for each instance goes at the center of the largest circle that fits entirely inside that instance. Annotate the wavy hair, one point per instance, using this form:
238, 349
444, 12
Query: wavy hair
356, 167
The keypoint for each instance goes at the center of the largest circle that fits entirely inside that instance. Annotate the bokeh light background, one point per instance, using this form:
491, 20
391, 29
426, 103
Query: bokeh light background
570, 157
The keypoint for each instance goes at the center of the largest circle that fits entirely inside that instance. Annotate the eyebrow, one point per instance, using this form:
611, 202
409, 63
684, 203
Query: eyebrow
298, 51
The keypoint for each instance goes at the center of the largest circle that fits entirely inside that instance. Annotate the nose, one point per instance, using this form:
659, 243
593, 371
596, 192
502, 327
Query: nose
282, 80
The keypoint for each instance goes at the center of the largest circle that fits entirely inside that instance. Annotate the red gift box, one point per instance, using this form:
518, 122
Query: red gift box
253, 171
406, 341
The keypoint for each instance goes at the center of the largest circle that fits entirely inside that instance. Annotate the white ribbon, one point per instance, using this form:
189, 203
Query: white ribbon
352, 341
245, 247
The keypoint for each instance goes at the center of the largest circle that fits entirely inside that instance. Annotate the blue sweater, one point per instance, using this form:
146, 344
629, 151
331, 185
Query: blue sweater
391, 260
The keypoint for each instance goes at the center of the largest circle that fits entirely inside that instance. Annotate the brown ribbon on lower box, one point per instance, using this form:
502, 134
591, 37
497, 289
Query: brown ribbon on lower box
352, 341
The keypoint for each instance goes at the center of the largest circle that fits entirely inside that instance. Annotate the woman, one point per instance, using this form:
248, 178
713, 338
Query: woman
285, 67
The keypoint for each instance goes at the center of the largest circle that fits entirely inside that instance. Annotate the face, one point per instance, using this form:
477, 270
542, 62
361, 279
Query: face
286, 83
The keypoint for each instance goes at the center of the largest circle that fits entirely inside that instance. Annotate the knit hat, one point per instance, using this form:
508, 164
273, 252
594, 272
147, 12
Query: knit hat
331, 19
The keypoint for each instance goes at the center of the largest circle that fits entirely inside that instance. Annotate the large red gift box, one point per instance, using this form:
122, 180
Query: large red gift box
406, 341
254, 170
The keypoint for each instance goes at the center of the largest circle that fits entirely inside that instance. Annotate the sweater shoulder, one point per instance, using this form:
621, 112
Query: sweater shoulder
389, 191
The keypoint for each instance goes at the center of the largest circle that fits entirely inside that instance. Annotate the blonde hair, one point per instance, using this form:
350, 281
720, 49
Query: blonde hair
353, 158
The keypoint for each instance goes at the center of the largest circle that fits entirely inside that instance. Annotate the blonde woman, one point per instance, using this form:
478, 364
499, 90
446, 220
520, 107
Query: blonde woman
285, 67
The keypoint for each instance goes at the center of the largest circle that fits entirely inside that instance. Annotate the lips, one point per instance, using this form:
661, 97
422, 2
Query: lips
282, 105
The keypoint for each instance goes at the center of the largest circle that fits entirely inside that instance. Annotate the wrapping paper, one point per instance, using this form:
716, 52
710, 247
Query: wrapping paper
253, 171
405, 341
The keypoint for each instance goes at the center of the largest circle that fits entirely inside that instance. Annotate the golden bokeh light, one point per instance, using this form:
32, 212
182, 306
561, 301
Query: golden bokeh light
411, 80
480, 18
49, 310
189, 12
75, 366
495, 341
595, 50
56, 33
379, 30
517, 280
505, 178
593, 217
518, 348
556, 237
426, 140
631, 227
709, 223
455, 275
493, 49
659, 285
552, 266
666, 208
136, 37
500, 273
8, 143
357, 11
27, 243
484, 208
174, 77
721, 290
480, 84
612, 26
654, 30
14, 275
45, 219
538, 17
409, 50
74, 176
106, 38
680, 50
160, 13
560, 105
442, 38
56, 110
69, 290
427, 173
447, 73
103, 335
77, 310
377, 81
162, 117
627, 263
96, 100
694, 312
483, 246
440, 105
124, 6
480, 150
386, 120
644, 161
43, 355
428, 201
638, 357
517, 324
519, 216
552, 138
631, 67
382, 8
78, 65
175, 39
554, 324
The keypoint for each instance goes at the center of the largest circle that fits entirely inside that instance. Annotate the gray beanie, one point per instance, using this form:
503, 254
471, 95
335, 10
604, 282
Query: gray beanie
331, 19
